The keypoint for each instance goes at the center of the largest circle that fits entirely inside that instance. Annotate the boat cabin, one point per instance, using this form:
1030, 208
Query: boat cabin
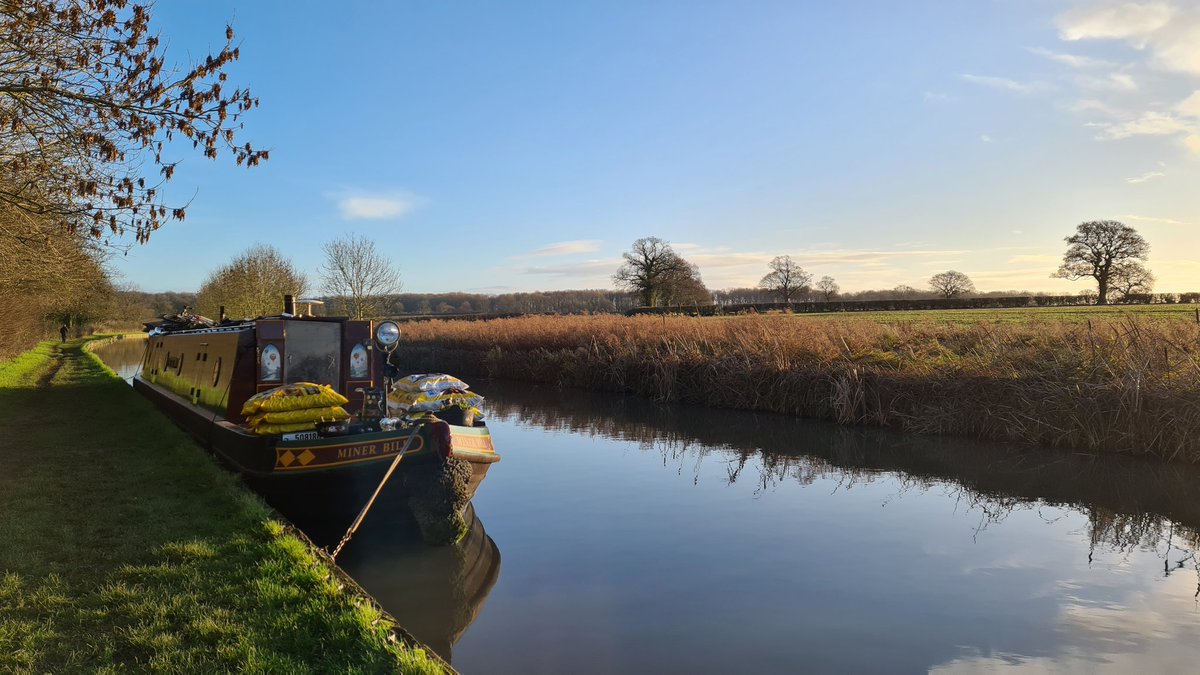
222, 366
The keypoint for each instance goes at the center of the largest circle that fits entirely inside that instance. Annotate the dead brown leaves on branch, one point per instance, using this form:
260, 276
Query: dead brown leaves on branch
89, 108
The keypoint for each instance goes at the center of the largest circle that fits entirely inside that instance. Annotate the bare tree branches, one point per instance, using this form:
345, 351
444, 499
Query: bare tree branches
659, 276
89, 108
358, 275
1097, 249
1130, 278
786, 279
828, 288
951, 284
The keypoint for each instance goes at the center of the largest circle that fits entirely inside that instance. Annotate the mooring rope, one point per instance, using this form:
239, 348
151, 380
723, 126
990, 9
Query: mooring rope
363, 514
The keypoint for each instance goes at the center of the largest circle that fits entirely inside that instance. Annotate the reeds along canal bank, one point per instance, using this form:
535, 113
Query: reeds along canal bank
1118, 382
126, 547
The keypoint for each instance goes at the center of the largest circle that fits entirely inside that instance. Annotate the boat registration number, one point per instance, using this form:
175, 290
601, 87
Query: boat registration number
301, 436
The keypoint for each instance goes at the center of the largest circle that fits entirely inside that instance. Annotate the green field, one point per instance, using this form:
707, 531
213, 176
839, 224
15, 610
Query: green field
127, 549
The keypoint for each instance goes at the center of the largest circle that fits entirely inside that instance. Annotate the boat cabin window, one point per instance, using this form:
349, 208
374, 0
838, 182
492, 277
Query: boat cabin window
314, 350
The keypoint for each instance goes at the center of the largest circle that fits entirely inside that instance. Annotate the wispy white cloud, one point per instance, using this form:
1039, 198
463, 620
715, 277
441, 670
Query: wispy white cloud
1133, 21
1148, 176
1111, 82
1169, 33
1006, 84
1151, 219
1093, 105
377, 206
1073, 60
708, 260
984, 138
1168, 36
1190, 106
1023, 259
563, 248
587, 268
1149, 124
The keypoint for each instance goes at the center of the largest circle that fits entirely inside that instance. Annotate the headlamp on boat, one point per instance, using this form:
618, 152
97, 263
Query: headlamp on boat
387, 334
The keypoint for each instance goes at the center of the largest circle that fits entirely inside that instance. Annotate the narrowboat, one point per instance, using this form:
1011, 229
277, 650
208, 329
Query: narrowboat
200, 373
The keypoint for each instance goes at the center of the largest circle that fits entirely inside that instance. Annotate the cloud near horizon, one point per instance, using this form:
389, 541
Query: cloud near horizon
563, 248
1148, 176
1151, 219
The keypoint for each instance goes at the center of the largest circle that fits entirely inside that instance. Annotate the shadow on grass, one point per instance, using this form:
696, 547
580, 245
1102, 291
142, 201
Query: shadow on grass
125, 545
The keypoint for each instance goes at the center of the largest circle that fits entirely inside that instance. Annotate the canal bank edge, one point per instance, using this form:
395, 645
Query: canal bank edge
1111, 382
126, 545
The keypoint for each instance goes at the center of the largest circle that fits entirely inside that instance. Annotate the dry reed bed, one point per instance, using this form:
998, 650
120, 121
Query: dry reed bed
1117, 383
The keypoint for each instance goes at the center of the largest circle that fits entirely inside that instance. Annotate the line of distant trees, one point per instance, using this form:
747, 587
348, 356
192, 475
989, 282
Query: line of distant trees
357, 280
1108, 251
895, 304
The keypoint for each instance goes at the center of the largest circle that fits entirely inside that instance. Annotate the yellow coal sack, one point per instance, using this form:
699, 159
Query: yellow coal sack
277, 429
332, 413
293, 397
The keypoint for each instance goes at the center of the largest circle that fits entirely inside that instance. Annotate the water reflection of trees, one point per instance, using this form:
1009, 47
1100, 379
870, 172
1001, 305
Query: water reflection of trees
1131, 504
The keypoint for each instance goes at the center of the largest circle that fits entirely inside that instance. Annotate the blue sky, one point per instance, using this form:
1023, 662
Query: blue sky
495, 147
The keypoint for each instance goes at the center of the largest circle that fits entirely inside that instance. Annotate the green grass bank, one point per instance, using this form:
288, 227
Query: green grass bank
1106, 380
126, 548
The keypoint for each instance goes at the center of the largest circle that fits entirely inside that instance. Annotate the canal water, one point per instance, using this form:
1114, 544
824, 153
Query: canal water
626, 536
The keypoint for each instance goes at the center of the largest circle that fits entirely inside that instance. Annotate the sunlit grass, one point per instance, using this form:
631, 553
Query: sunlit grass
127, 548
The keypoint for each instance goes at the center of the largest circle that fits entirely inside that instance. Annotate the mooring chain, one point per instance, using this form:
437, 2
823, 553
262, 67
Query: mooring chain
363, 514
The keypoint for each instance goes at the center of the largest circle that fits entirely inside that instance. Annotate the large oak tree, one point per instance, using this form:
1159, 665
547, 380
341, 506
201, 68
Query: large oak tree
951, 283
786, 278
1098, 249
659, 275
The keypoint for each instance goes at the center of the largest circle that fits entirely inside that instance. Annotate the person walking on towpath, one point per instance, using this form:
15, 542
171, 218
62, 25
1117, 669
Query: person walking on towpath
62, 331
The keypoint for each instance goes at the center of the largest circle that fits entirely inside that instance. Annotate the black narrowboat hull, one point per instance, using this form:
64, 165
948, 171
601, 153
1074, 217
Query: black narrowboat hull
334, 475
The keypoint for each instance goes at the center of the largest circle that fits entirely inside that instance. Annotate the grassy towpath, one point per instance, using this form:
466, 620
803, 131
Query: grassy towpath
123, 547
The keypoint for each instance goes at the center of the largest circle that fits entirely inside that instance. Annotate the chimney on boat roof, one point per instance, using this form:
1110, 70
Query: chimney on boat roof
221, 317
289, 305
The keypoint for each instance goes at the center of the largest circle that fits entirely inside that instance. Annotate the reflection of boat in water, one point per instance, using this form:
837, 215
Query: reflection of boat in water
201, 374
435, 592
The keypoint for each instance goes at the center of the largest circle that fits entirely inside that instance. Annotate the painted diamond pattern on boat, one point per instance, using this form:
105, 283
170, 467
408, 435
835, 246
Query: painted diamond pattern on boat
306, 457
287, 458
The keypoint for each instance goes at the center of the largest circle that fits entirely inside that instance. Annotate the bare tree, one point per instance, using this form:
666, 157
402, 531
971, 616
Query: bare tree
786, 279
683, 286
1097, 249
89, 106
655, 272
951, 284
252, 284
1130, 278
358, 275
828, 288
